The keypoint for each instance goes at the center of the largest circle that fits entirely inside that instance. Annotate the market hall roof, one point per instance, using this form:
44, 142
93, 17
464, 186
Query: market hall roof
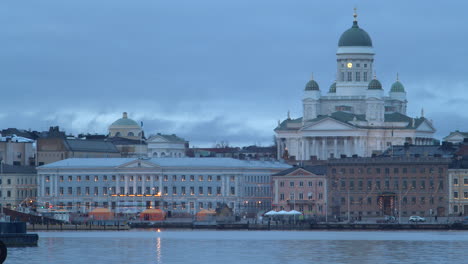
80, 145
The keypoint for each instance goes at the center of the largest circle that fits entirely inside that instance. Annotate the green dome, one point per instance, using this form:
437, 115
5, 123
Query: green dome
355, 36
312, 86
125, 122
397, 87
332, 88
374, 85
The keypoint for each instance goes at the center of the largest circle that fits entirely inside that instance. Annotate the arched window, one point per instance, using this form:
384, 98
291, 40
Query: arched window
163, 154
117, 134
155, 154
130, 134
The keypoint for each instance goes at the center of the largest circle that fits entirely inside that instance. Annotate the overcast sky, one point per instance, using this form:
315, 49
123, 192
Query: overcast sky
216, 70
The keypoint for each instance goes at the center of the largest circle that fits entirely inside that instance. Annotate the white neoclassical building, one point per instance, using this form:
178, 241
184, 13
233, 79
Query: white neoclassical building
162, 146
125, 128
180, 185
355, 116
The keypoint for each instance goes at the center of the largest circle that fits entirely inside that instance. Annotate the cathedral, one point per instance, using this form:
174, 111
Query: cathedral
355, 117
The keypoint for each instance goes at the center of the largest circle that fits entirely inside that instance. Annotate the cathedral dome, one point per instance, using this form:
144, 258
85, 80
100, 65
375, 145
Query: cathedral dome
374, 85
312, 86
125, 122
397, 87
355, 36
332, 88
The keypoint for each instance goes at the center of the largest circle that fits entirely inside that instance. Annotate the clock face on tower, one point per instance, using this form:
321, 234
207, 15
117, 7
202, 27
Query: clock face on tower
350, 65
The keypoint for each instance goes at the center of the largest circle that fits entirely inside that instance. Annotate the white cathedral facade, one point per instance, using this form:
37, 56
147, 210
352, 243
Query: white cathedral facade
355, 116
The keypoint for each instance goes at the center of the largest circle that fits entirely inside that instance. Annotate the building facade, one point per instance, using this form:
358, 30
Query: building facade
18, 185
16, 150
456, 137
373, 187
182, 186
458, 192
355, 117
303, 189
166, 146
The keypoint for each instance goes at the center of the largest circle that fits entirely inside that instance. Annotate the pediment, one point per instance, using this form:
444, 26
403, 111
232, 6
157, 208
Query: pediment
300, 172
425, 126
328, 124
139, 164
455, 137
157, 139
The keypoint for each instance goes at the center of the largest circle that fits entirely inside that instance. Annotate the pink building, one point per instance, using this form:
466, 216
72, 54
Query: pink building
301, 188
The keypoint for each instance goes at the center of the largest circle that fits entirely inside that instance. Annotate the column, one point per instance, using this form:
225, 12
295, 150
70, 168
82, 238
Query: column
117, 179
335, 147
307, 149
355, 148
126, 184
278, 150
324, 150
314, 147
361, 146
345, 146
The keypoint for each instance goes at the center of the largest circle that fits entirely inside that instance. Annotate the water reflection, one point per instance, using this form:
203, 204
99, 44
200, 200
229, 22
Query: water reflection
158, 250
187, 246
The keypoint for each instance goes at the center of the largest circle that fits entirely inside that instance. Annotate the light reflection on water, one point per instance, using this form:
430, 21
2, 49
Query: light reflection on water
196, 246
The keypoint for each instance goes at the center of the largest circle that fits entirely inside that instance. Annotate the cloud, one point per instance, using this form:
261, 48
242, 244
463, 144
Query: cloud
213, 70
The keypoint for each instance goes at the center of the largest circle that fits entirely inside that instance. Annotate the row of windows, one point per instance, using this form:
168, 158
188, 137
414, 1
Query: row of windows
166, 205
97, 178
292, 196
465, 181
465, 195
139, 190
358, 65
386, 170
20, 181
405, 200
301, 208
377, 184
19, 193
379, 213
357, 77
301, 183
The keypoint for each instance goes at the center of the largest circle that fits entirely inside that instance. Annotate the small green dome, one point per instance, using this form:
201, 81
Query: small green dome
397, 87
312, 86
374, 85
332, 88
355, 36
125, 122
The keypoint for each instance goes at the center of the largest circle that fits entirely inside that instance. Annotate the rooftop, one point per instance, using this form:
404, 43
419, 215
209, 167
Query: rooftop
90, 146
167, 162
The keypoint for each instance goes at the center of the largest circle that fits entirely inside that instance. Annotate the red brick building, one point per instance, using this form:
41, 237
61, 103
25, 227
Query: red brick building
302, 189
394, 186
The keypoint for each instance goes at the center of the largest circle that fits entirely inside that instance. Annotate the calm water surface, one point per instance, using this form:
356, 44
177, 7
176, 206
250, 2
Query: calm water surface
194, 246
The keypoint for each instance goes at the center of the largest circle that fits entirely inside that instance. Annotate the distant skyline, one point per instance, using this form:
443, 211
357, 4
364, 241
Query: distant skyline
213, 71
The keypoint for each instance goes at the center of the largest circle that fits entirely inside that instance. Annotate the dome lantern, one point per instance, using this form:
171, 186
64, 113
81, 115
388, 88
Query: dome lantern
355, 36
312, 85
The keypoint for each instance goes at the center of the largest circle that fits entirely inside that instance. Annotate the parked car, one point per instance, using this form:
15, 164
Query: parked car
416, 218
465, 220
390, 219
